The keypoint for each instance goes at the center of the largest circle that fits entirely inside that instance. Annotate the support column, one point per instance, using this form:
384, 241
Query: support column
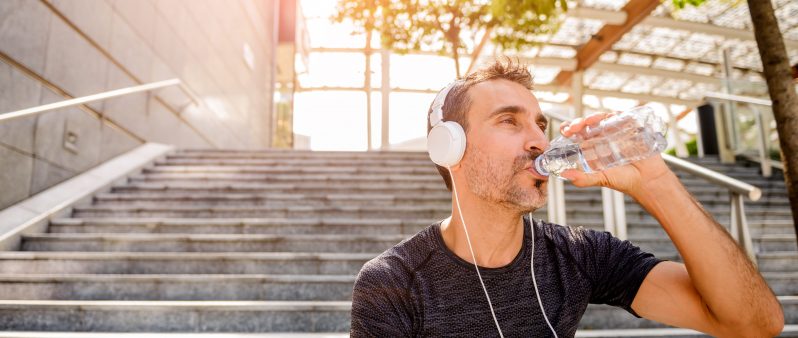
556, 203
614, 207
681, 149
367, 87
577, 90
386, 93
727, 116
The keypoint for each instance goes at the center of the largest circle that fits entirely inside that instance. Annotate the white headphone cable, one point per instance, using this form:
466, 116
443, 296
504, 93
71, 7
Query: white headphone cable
532, 269
473, 258
476, 267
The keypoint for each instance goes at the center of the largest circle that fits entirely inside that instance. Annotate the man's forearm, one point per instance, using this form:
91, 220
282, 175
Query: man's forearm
733, 290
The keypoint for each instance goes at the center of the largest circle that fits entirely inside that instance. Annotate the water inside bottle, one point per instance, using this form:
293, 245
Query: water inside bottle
559, 159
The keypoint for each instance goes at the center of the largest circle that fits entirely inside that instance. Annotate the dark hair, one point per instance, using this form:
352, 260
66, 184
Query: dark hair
458, 101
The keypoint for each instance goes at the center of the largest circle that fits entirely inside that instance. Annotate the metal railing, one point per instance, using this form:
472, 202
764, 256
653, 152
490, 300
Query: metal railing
614, 204
730, 128
99, 97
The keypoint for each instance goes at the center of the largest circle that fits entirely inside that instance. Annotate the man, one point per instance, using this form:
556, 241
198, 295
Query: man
428, 285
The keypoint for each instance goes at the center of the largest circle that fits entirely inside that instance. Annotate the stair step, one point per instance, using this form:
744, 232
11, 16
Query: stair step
46, 334
789, 331
176, 316
422, 168
240, 316
273, 199
777, 262
239, 226
408, 187
348, 178
401, 212
307, 162
302, 155
434, 211
210, 242
645, 228
762, 243
175, 287
428, 170
294, 263
315, 178
650, 227
217, 287
373, 198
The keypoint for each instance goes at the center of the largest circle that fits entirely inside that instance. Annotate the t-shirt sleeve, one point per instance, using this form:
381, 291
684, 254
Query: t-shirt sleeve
381, 301
617, 269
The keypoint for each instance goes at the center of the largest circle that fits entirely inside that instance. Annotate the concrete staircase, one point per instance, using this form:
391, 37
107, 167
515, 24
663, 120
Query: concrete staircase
271, 241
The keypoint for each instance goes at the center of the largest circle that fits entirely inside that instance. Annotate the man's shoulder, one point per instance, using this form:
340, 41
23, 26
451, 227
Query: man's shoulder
398, 263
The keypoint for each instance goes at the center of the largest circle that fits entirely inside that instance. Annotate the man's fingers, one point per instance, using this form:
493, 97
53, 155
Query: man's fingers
572, 127
581, 179
595, 118
578, 124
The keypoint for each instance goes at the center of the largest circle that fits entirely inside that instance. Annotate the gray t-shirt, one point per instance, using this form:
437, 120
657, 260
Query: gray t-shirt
420, 288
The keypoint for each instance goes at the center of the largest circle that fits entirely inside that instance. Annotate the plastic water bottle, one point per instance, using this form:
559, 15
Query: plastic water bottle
620, 139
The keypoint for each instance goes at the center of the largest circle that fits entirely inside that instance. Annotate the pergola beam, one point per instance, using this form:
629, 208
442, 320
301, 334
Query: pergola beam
669, 74
570, 65
705, 28
608, 17
538, 87
636, 11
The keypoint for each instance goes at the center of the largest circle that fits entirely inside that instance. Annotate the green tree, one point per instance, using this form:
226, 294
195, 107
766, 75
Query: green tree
443, 26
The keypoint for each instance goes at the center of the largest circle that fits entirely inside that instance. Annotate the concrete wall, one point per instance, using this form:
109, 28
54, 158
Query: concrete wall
56, 49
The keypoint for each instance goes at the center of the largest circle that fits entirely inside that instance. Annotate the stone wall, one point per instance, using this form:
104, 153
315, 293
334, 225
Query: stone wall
51, 50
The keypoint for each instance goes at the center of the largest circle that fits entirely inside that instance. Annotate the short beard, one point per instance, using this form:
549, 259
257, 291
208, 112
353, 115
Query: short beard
494, 181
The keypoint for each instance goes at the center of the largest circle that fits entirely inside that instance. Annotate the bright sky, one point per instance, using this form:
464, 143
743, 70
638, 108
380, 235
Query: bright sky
336, 120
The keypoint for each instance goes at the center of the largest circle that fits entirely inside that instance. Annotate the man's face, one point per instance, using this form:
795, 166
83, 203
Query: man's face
506, 133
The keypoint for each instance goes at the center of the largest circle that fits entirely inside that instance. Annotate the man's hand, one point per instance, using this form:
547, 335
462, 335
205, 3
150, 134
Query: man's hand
632, 179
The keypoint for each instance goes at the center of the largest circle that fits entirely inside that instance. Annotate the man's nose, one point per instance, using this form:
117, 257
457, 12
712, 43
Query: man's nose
536, 140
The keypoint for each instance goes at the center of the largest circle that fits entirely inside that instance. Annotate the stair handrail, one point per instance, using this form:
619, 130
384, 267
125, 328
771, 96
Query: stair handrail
737, 190
99, 97
759, 121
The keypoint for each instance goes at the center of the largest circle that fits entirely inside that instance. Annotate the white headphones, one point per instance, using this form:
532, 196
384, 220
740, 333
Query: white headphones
446, 140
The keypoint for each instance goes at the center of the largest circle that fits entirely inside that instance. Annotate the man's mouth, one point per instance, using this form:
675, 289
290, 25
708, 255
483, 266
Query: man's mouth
534, 172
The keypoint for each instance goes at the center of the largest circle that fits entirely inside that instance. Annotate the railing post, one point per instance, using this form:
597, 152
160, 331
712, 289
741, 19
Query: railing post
556, 203
699, 137
619, 206
614, 208
764, 157
606, 205
739, 227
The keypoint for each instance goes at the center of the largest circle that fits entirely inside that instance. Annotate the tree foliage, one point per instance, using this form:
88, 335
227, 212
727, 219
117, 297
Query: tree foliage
444, 25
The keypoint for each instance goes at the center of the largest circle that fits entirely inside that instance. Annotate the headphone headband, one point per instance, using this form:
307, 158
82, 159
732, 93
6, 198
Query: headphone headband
436, 115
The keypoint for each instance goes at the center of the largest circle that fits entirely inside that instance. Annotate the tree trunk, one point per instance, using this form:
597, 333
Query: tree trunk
776, 66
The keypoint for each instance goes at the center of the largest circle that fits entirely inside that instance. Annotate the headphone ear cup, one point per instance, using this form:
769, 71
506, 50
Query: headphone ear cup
446, 143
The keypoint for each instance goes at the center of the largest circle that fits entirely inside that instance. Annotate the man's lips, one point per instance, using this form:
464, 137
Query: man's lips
531, 169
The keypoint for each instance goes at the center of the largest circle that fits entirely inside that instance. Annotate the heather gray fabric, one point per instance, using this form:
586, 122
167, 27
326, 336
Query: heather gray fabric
420, 288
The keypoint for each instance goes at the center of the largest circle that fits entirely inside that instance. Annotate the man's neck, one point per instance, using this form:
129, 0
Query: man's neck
496, 232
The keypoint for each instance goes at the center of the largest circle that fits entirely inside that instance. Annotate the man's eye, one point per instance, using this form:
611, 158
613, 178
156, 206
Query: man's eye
510, 121
542, 126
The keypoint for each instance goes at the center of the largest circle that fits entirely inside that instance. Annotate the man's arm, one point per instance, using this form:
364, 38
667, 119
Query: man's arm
717, 290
